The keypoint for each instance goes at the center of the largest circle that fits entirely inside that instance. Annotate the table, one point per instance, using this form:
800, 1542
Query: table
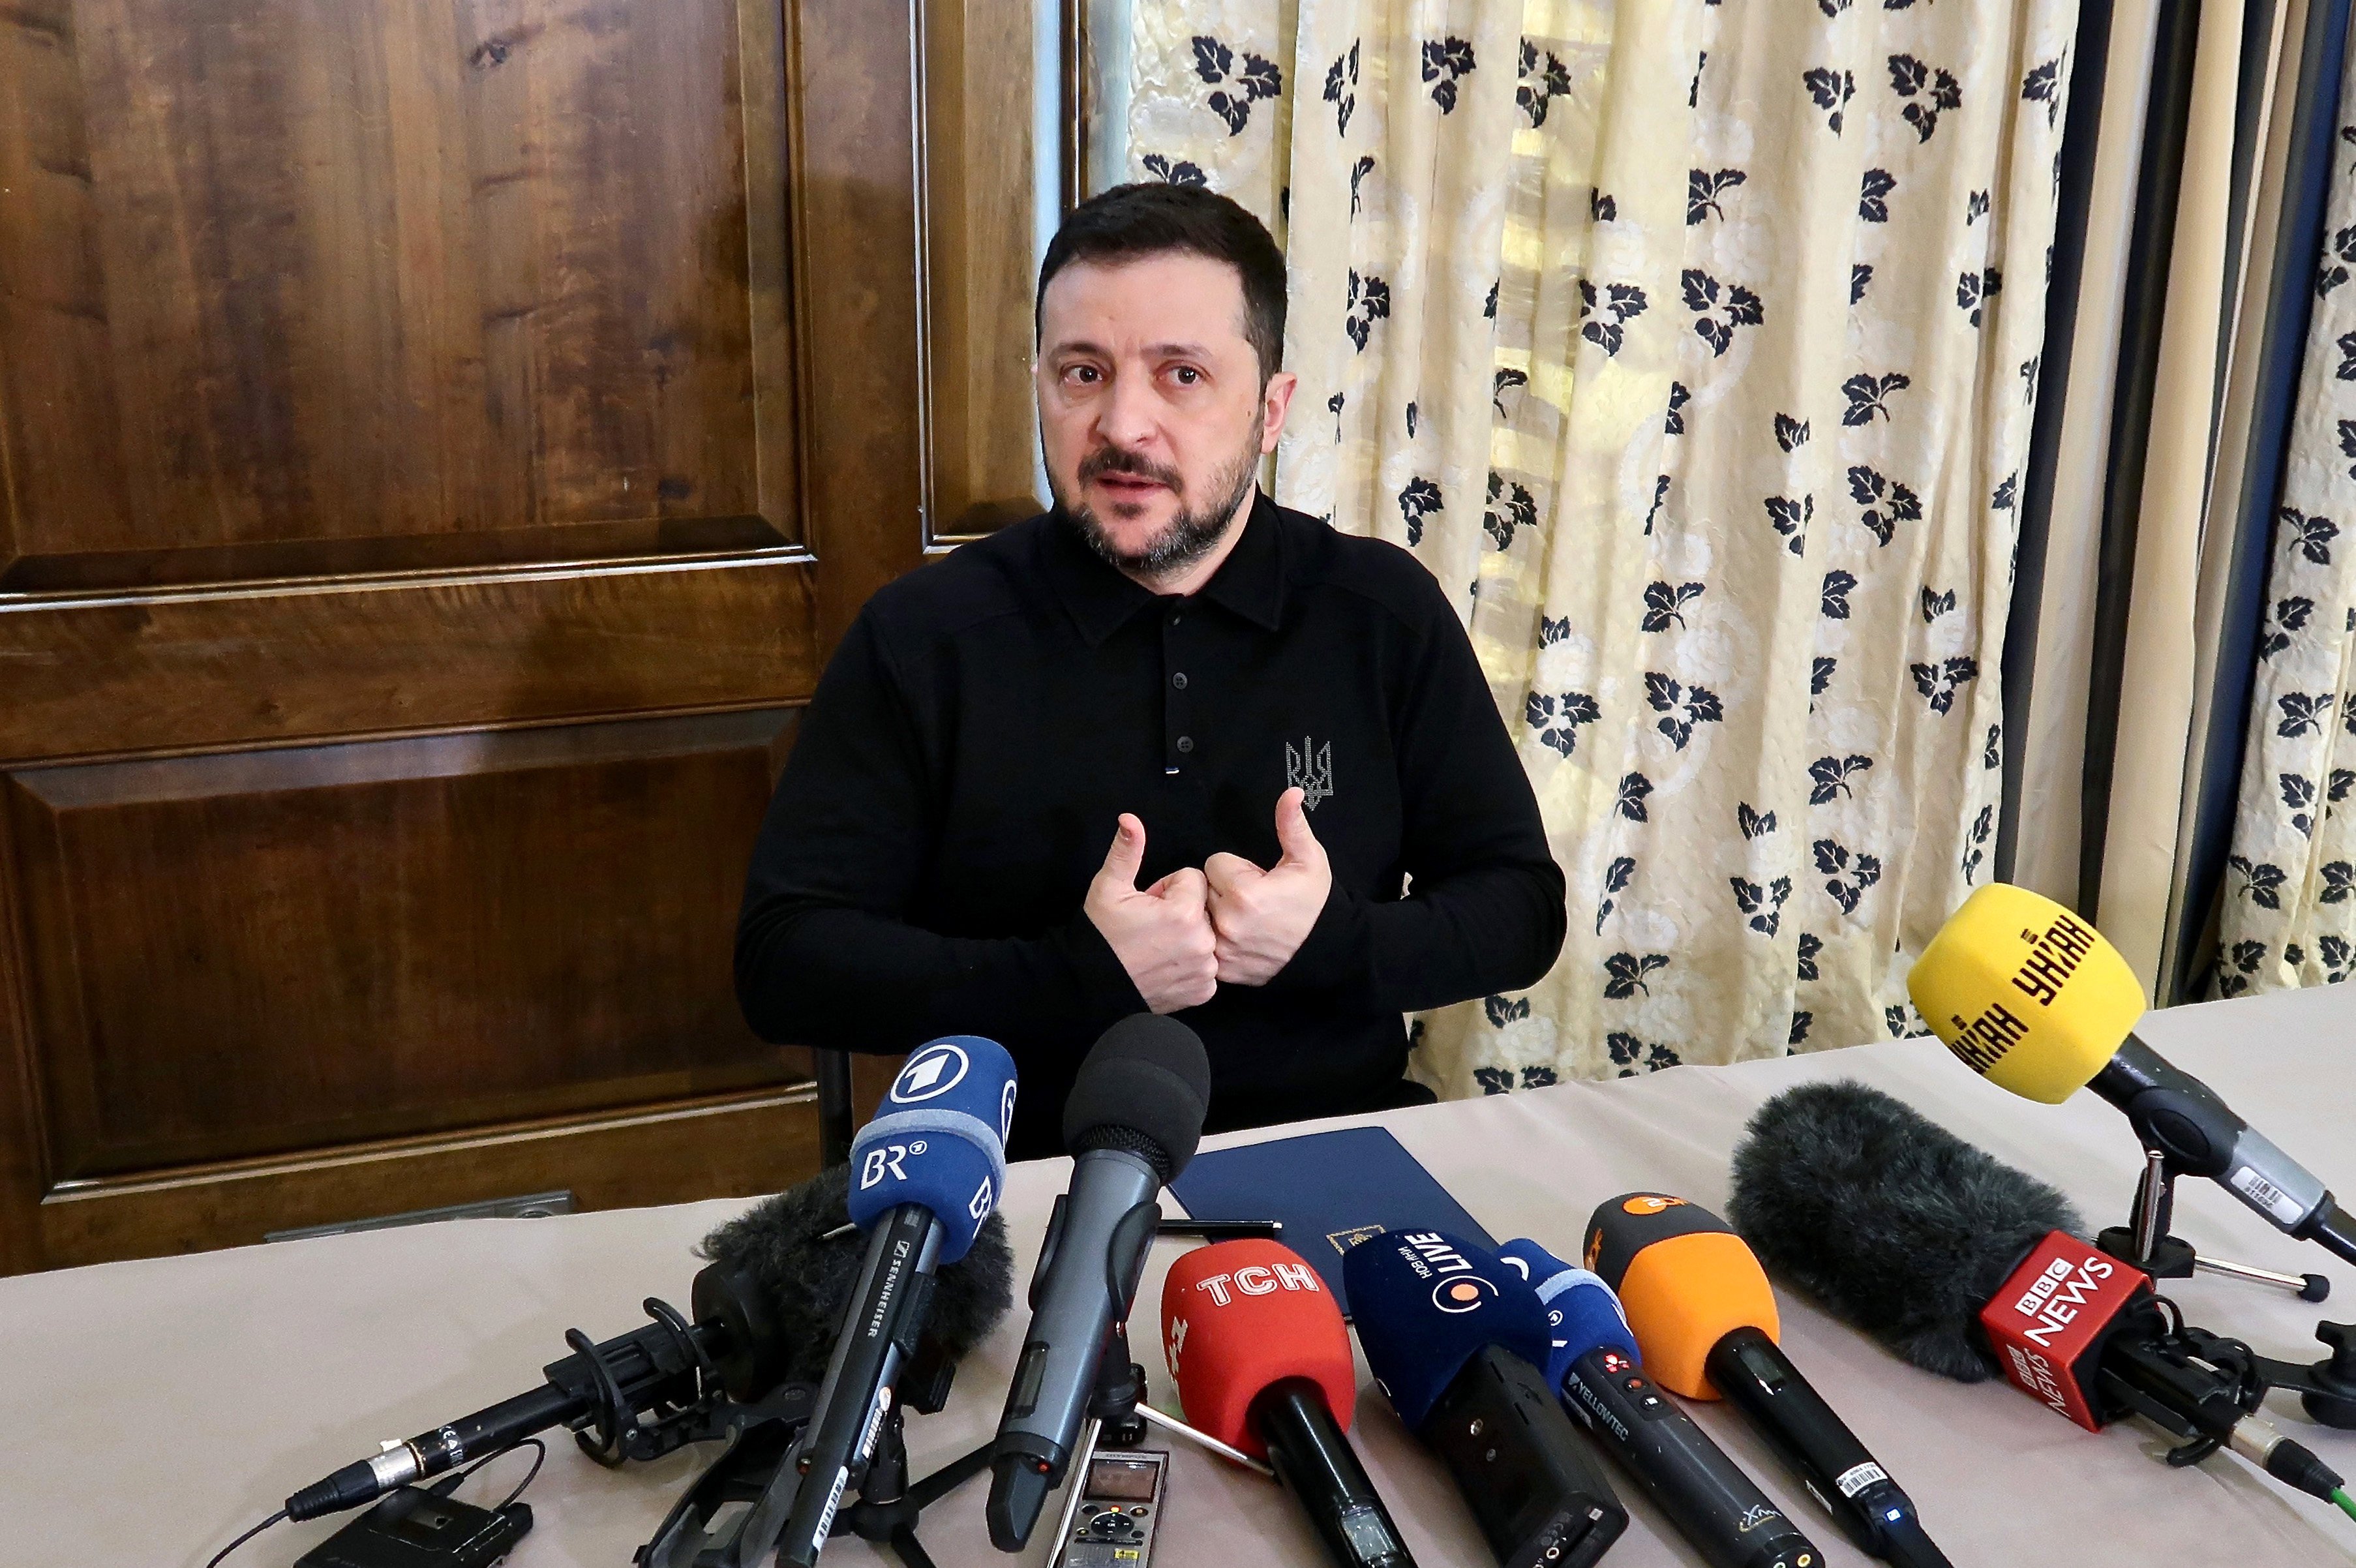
157, 1408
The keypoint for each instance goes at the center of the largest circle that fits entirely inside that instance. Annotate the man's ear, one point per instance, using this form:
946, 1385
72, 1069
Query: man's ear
1276, 398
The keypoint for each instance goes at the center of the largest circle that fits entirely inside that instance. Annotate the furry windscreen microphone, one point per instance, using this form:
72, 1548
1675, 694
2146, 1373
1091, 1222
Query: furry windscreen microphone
1899, 1227
779, 1244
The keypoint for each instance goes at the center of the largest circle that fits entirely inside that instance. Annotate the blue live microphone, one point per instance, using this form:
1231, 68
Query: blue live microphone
1455, 1338
1592, 1363
924, 1173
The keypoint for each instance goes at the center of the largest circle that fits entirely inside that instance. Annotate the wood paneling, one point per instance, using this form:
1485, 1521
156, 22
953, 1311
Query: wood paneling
329, 277
723, 1146
851, 102
279, 950
141, 672
979, 272
438, 439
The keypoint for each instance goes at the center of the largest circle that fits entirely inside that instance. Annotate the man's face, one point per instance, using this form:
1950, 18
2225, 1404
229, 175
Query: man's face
1152, 413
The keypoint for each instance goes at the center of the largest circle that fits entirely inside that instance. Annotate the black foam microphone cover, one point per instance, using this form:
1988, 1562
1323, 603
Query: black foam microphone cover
1145, 1086
781, 1245
1899, 1227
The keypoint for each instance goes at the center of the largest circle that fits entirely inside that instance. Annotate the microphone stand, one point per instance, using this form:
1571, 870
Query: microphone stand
1118, 1417
2143, 1240
887, 1506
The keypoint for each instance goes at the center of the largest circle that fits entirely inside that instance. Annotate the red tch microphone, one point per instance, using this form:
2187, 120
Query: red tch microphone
1262, 1362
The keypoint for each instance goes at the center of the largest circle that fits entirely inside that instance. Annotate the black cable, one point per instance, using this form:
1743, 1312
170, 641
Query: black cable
240, 1540
441, 1489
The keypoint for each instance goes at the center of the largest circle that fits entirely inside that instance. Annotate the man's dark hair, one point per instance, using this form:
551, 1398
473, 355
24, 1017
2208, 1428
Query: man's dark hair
1129, 222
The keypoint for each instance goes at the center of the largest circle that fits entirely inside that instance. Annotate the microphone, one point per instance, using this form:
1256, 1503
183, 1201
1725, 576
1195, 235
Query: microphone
1700, 1306
1262, 1359
1133, 1118
924, 1176
1455, 1338
1966, 1267
2034, 1000
764, 1313
1595, 1365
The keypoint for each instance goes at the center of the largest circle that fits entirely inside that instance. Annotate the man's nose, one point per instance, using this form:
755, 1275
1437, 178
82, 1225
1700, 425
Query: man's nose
1126, 417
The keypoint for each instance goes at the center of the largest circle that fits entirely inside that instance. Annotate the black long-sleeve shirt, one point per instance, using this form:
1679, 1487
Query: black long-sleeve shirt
957, 780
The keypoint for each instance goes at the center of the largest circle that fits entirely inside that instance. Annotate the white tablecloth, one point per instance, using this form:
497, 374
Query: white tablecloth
155, 1409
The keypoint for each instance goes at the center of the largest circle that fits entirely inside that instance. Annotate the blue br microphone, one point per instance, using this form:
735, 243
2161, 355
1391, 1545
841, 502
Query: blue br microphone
924, 1173
1455, 1338
1593, 1364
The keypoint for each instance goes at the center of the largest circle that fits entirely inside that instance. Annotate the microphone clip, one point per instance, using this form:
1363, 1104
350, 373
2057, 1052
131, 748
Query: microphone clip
2145, 1240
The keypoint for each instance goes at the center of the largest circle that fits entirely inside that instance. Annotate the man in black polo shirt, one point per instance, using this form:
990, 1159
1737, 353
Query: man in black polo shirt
1277, 729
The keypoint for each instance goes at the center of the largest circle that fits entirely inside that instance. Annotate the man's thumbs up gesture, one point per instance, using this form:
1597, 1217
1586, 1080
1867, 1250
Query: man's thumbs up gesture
1162, 934
1260, 918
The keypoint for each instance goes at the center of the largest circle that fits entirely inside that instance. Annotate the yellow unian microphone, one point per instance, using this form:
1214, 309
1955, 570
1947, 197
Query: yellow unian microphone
2034, 1000
2029, 996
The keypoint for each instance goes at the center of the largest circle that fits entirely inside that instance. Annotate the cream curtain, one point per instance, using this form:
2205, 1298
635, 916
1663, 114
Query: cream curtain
2289, 916
1693, 348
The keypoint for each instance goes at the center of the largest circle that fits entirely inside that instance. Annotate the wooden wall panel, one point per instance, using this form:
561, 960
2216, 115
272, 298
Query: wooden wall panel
980, 271
303, 278
436, 438
237, 955
140, 674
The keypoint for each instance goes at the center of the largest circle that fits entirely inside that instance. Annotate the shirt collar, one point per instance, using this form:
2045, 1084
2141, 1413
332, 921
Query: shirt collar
1101, 600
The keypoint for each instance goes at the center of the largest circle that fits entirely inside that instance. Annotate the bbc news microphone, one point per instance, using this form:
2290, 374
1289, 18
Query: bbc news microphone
1132, 1120
765, 1311
1970, 1269
1262, 1359
2034, 1000
1595, 1365
1700, 1306
1455, 1338
926, 1173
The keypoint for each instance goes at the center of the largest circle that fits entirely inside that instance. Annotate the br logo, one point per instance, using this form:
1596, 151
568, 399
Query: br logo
930, 1073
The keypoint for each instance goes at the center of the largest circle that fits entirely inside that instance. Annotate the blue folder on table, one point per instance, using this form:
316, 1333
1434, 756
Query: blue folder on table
1331, 1190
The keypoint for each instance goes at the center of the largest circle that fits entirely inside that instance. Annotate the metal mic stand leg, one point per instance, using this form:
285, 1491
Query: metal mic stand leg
2145, 1243
887, 1507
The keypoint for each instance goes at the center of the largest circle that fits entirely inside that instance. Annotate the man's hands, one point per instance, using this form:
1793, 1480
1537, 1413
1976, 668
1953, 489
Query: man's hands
1162, 934
1259, 918
1228, 924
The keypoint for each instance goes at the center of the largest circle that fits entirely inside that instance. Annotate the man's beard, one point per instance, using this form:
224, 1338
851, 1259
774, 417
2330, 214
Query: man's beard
1192, 534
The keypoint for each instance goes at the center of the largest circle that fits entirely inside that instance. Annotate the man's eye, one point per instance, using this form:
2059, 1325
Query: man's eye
1087, 375
1187, 375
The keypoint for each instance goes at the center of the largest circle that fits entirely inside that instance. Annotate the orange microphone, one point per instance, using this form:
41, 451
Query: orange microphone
1705, 1318
1262, 1361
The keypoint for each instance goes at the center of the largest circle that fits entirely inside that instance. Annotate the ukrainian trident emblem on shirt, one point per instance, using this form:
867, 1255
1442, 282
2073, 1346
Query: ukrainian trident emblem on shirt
1310, 770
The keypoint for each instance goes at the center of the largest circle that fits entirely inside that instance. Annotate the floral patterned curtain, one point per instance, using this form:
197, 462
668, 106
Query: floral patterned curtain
1692, 345
2290, 903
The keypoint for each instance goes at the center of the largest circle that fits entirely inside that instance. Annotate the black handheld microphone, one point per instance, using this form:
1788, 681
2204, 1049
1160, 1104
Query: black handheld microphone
764, 1313
1702, 1310
1592, 1358
1133, 1118
1455, 1339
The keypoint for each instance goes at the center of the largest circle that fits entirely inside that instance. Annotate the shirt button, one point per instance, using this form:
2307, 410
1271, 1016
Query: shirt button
1179, 679
1186, 743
